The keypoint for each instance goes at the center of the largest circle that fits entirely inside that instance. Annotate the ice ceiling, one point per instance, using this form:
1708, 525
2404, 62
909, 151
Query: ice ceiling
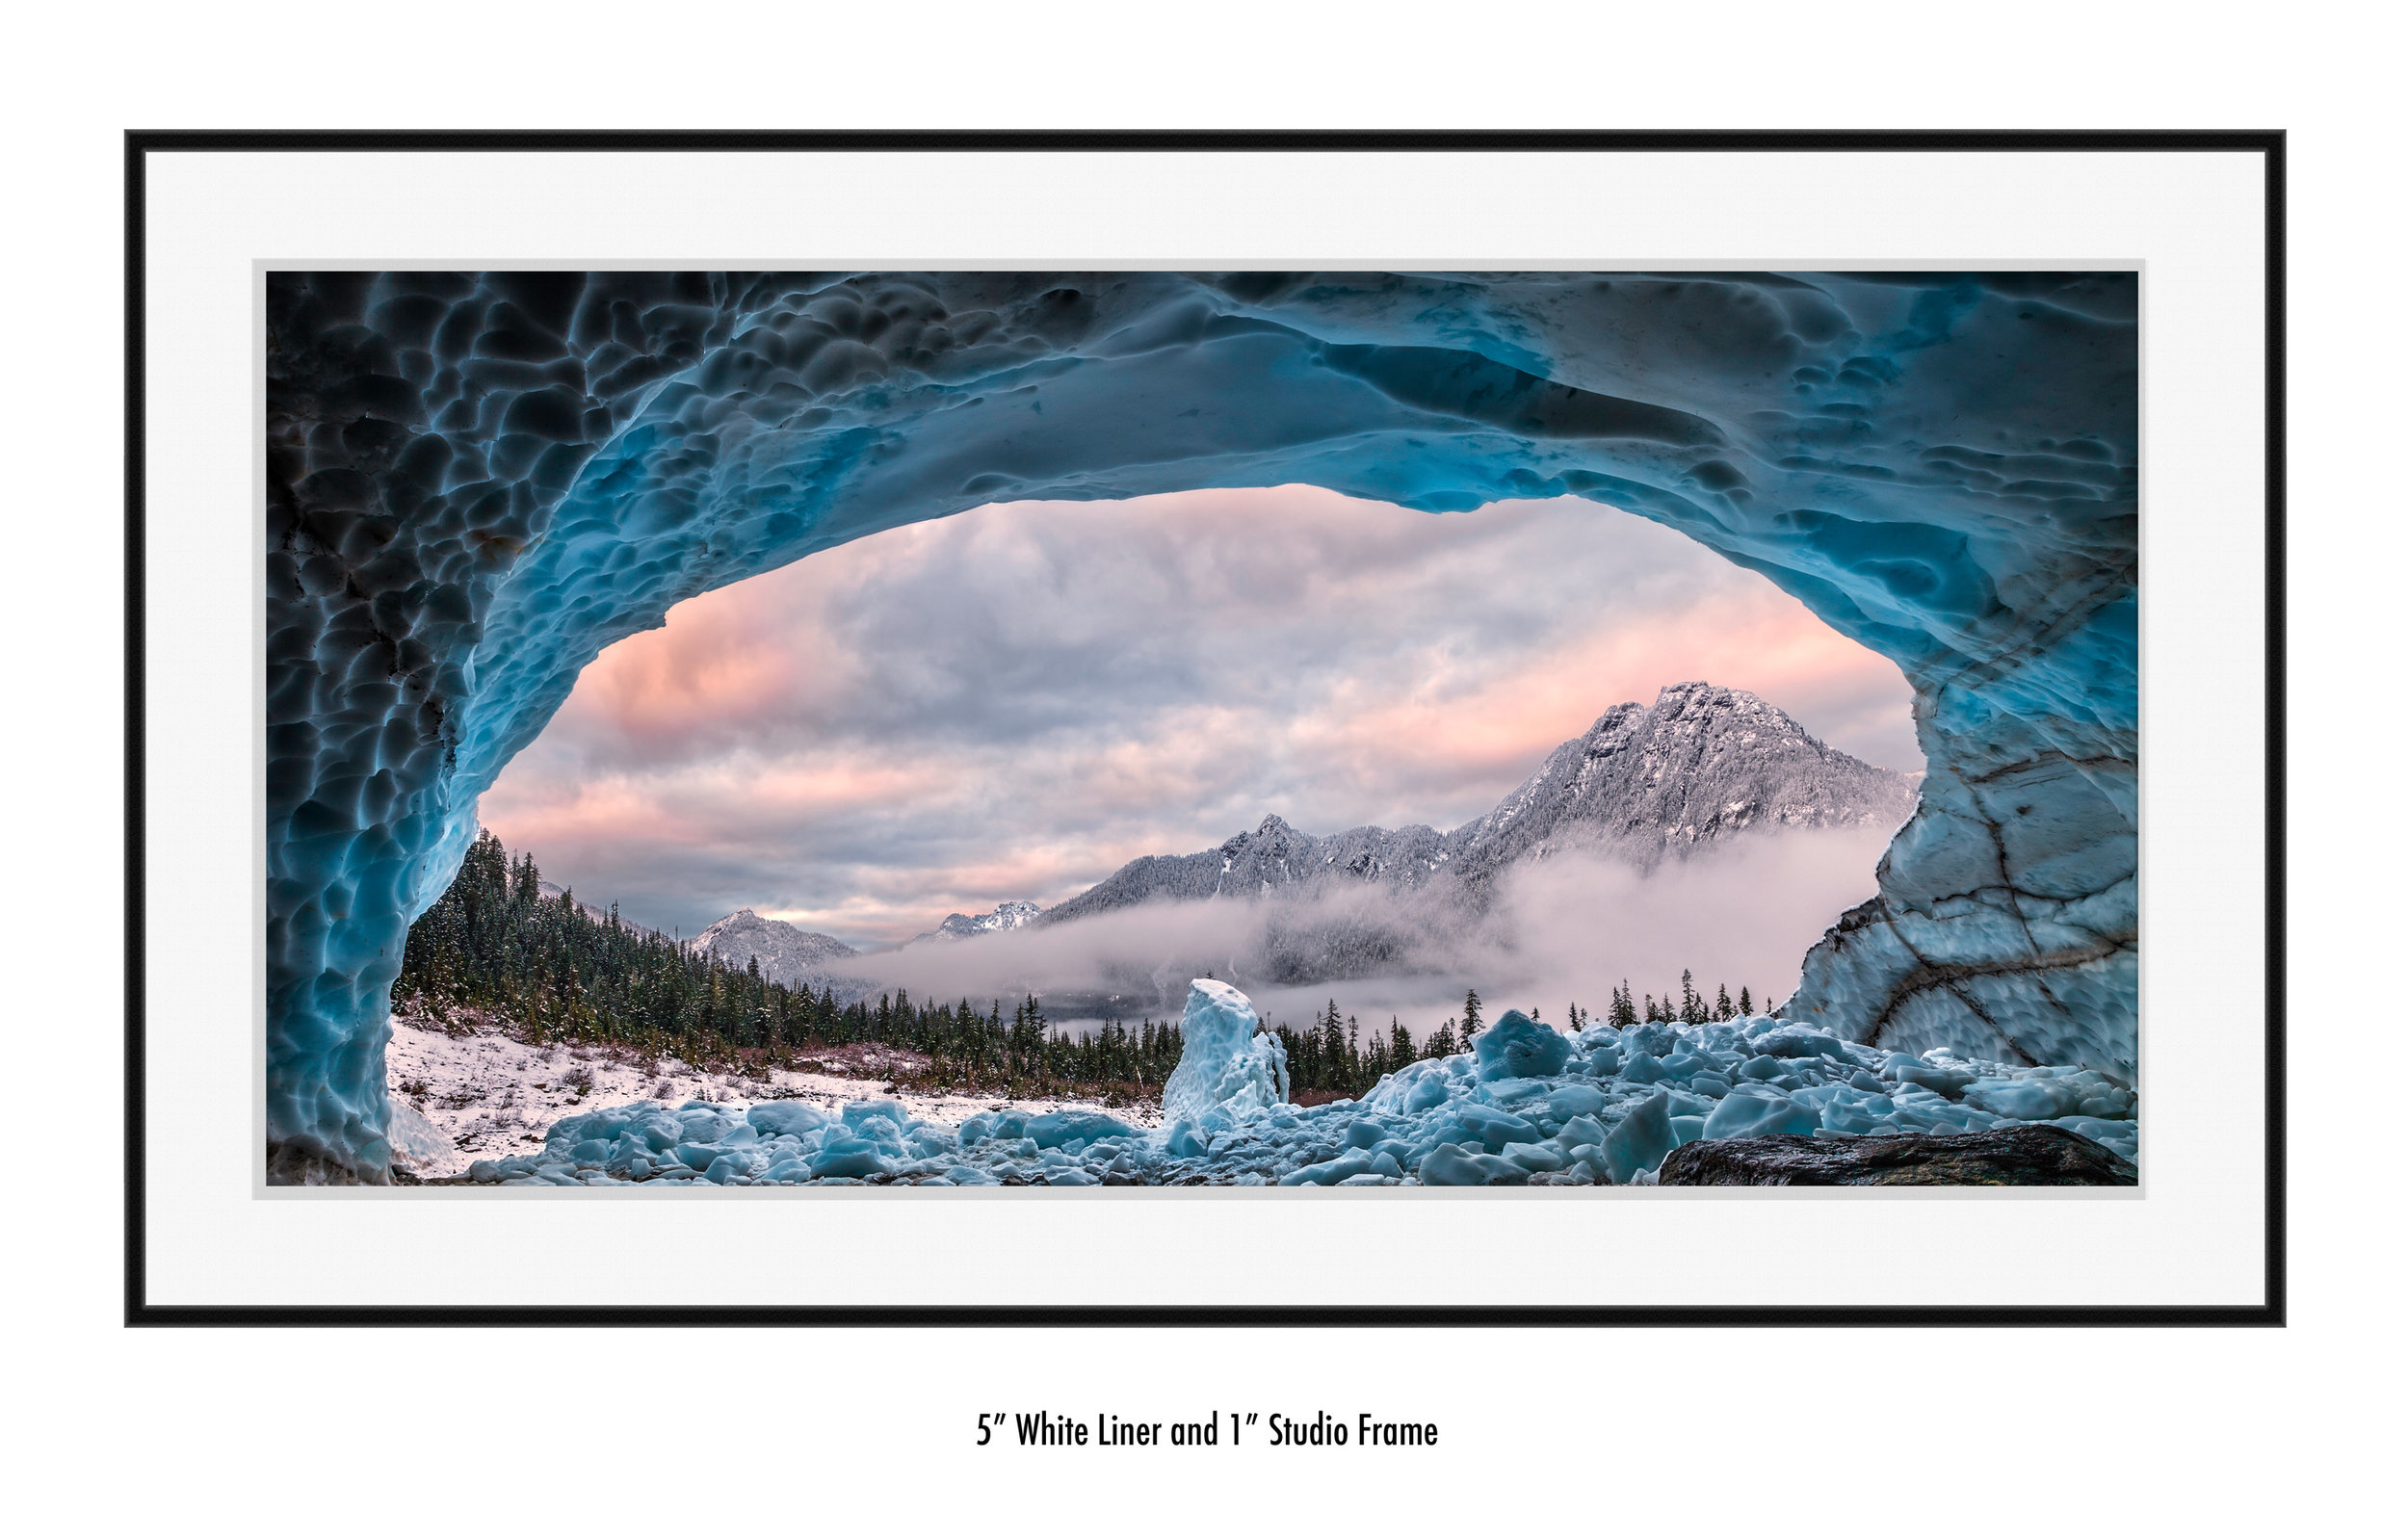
475, 483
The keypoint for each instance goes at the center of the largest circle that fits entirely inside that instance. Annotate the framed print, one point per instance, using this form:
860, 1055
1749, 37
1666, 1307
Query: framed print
1170, 728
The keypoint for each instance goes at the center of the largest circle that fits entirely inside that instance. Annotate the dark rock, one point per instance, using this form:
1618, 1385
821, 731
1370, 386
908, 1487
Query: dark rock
2025, 1154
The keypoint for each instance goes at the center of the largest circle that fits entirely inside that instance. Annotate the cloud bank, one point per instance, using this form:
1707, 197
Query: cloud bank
1563, 931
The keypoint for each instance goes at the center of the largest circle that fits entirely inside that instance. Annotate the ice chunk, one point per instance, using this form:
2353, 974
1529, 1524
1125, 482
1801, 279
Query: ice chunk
1223, 1065
1517, 1094
1518, 1047
1915, 1070
1056, 1128
859, 1113
791, 1118
1686, 1064
1331, 1172
2123, 1136
1448, 1164
2023, 1099
418, 1143
1744, 1114
2098, 1096
1642, 1140
1575, 1100
1183, 1142
1643, 1069
1421, 1086
1581, 1130
1491, 1128
1684, 1103
850, 1155
1800, 1041
1536, 1158
1654, 1038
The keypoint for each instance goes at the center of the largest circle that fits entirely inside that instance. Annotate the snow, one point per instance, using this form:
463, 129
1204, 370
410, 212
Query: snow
482, 1094
478, 481
1438, 1122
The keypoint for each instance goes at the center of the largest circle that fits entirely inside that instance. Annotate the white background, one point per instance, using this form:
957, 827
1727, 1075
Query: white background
2195, 220
1978, 1430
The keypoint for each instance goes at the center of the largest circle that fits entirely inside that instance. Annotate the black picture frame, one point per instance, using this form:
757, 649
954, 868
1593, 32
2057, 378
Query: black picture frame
141, 143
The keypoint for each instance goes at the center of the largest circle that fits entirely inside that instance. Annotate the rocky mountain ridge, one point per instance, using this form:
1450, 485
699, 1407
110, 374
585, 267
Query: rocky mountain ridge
1701, 766
787, 955
1003, 916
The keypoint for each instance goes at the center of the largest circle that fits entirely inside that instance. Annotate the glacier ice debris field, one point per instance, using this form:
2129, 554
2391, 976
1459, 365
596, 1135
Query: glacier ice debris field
1530, 1105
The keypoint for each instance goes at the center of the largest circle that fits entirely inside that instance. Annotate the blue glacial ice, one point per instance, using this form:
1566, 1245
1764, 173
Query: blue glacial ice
475, 482
1228, 1068
1445, 1121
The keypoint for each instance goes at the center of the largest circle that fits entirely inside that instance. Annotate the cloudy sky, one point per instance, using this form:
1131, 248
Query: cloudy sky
1014, 702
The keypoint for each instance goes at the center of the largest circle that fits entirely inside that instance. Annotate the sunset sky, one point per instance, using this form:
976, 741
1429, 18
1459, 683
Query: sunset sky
1014, 702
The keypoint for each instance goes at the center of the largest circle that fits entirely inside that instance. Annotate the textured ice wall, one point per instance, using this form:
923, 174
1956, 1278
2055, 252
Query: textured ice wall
475, 483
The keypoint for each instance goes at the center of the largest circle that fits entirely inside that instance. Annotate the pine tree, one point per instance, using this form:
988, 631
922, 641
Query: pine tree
1623, 1014
1471, 1017
1723, 1009
1746, 1005
1692, 1006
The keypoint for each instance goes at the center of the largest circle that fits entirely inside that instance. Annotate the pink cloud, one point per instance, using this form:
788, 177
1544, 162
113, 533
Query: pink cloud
1463, 726
597, 811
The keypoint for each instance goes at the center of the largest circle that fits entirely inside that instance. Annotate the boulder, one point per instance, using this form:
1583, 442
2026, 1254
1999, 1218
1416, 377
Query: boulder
2024, 1154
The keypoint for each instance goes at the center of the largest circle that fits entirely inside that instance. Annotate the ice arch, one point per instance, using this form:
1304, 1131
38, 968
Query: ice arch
475, 483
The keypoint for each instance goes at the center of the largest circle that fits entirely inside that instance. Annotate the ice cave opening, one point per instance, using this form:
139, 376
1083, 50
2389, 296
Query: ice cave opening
477, 482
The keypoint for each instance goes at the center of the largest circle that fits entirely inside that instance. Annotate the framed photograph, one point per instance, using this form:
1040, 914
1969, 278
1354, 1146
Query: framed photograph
1168, 727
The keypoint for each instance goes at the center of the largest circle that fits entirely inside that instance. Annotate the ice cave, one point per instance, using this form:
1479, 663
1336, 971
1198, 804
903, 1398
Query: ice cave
477, 482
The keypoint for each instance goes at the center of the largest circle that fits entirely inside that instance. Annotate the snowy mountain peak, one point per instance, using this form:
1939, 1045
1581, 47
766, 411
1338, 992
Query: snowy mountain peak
1003, 916
787, 955
1702, 764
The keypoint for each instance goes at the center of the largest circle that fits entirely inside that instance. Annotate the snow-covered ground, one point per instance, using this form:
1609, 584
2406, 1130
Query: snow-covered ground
484, 1094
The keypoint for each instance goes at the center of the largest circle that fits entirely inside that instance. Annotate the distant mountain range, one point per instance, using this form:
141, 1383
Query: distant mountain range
1700, 767
970, 926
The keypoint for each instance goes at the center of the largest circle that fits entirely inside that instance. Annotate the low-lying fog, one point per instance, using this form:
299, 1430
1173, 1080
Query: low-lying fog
1563, 930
